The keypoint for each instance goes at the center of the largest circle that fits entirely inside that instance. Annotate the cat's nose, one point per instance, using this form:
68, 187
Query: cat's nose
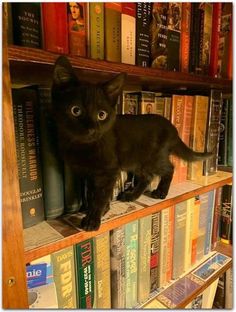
91, 131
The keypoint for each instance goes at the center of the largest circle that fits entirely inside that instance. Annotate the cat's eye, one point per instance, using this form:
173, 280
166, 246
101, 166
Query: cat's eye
102, 115
76, 110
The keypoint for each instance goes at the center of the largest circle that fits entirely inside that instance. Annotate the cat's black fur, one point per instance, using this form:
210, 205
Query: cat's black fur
100, 149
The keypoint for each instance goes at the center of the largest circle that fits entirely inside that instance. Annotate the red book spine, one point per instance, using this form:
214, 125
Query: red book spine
55, 27
215, 39
185, 37
229, 70
129, 8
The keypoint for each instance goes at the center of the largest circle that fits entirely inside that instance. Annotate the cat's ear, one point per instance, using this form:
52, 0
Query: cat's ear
113, 87
63, 74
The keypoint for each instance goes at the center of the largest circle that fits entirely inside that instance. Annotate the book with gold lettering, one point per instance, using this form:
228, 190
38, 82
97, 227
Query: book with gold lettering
25, 108
64, 276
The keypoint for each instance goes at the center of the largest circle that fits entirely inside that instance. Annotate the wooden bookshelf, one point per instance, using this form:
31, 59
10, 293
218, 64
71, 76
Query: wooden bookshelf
40, 64
72, 236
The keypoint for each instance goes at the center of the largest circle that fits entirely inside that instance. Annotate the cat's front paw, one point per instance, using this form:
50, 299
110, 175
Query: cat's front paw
126, 196
90, 223
158, 194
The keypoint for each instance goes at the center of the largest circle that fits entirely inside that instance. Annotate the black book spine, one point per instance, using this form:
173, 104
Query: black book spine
26, 23
28, 155
226, 214
222, 157
143, 17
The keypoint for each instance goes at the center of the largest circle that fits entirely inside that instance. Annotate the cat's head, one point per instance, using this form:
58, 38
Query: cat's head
83, 111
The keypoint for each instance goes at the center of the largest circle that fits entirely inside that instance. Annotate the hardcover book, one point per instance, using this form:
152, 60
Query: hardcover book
213, 132
223, 136
117, 260
102, 271
143, 18
84, 263
55, 27
25, 111
230, 134
201, 236
26, 24
155, 251
226, 215
209, 223
185, 37
170, 246
219, 300
147, 102
64, 276
52, 167
158, 31
128, 32
77, 28
173, 35
113, 31
96, 13
131, 264
189, 232
130, 103
195, 229
216, 218
144, 241
163, 247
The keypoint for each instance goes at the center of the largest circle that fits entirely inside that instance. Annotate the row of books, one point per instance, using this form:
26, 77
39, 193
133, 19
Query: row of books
124, 267
224, 292
49, 189
187, 37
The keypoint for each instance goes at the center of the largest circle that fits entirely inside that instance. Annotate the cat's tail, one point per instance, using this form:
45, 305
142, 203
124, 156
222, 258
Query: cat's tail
183, 151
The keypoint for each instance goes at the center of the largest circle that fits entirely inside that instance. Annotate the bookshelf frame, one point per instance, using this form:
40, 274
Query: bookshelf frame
16, 62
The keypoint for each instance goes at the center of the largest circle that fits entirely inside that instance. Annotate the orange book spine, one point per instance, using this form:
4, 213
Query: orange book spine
185, 37
170, 243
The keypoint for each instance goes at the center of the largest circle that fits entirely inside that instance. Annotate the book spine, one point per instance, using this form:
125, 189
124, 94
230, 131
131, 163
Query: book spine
102, 271
213, 132
203, 212
226, 214
167, 110
206, 38
189, 233
113, 31
170, 246
97, 30
55, 27
64, 276
216, 218
198, 134
159, 105
223, 143
143, 18
195, 229
174, 16
77, 28
52, 168
230, 135
179, 239
229, 64
209, 224
200, 46
131, 264
158, 31
130, 103
144, 242
117, 254
25, 110
155, 252
186, 129
219, 300
177, 115
185, 37
10, 39
163, 247
84, 257
147, 102
26, 24
229, 289
215, 36
128, 33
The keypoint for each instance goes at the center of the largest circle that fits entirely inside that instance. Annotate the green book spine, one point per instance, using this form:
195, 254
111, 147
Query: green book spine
102, 271
25, 106
144, 258
113, 31
52, 167
26, 24
64, 276
230, 135
117, 253
85, 274
131, 263
97, 30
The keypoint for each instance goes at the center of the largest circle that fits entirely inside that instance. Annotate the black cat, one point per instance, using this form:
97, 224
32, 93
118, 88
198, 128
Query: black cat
98, 144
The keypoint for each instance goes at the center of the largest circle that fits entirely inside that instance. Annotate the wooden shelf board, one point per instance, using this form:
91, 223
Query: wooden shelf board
72, 236
149, 77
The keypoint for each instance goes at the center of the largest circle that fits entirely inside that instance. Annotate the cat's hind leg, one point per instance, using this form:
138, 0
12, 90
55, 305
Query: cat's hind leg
166, 175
